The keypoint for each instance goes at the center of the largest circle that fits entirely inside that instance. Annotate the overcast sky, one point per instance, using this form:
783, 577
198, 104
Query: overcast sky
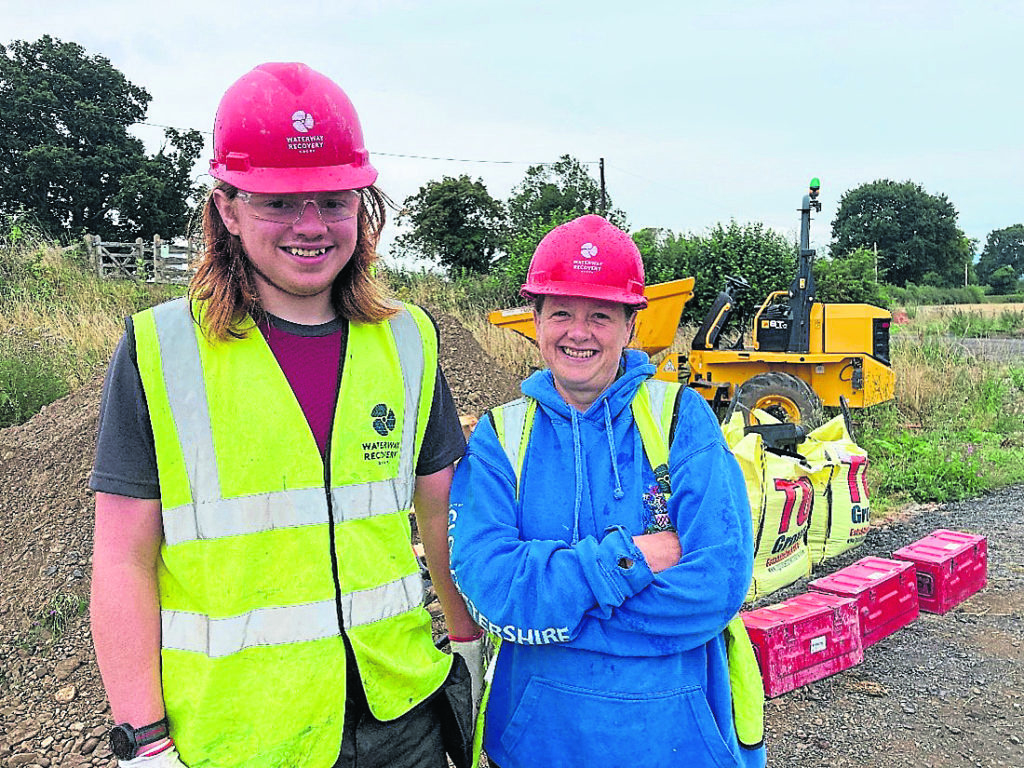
704, 112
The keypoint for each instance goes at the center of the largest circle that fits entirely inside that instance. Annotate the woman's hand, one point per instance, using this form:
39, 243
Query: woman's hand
661, 550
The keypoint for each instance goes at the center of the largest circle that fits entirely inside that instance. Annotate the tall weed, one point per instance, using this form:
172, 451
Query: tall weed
59, 323
975, 325
31, 376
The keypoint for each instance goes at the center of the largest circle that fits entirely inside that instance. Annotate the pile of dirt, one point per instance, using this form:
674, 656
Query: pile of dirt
52, 706
477, 382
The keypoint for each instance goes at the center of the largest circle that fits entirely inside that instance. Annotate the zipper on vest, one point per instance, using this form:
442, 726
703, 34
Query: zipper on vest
327, 487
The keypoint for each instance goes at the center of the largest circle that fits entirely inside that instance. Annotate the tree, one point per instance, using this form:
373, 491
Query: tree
915, 232
161, 196
849, 278
1004, 280
456, 222
766, 259
754, 252
666, 255
563, 189
1003, 247
522, 241
65, 152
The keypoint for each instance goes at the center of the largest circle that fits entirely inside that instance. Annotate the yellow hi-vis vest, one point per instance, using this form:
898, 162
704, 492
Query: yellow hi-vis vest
653, 409
269, 550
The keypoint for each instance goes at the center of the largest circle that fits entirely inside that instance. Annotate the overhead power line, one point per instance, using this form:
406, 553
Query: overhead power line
101, 115
468, 160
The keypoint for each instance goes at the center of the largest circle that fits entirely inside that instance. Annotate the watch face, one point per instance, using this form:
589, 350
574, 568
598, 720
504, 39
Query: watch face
121, 743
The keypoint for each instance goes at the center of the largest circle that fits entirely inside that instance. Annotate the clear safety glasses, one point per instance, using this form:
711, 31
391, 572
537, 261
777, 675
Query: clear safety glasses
331, 207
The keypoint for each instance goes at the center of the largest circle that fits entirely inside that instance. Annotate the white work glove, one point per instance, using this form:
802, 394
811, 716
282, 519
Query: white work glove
166, 759
476, 654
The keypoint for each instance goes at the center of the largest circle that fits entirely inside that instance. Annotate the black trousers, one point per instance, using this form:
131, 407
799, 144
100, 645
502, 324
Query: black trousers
421, 738
411, 741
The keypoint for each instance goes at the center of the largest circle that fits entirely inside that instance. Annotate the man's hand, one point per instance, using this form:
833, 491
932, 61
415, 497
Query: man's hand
661, 550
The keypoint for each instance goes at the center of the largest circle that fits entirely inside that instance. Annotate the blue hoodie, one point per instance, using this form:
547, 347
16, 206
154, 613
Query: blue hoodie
604, 662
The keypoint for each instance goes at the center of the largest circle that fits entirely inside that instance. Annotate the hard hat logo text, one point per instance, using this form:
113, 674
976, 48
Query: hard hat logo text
303, 122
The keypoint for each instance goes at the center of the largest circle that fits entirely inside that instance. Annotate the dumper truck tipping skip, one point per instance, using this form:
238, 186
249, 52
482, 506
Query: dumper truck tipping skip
803, 353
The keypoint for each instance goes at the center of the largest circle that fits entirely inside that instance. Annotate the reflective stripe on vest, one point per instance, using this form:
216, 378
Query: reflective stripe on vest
512, 424
182, 631
253, 576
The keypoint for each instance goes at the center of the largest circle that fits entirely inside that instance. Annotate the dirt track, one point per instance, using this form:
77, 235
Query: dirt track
947, 691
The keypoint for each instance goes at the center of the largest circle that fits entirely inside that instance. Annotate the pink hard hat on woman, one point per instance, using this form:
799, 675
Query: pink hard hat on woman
589, 257
284, 127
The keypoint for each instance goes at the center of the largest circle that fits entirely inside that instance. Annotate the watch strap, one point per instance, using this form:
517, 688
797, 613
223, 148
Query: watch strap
147, 734
126, 741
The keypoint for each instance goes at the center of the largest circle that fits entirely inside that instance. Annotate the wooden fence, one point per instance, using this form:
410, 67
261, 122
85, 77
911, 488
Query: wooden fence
154, 261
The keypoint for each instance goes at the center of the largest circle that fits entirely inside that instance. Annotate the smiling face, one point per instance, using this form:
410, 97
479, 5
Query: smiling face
295, 263
581, 340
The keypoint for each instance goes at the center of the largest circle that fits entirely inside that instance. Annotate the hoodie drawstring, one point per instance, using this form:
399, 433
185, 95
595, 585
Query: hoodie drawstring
577, 455
578, 463
611, 449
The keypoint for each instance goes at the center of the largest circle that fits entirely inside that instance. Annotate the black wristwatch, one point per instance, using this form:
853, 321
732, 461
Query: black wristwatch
125, 741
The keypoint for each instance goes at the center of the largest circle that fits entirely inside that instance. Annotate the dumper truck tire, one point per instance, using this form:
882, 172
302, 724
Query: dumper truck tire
783, 395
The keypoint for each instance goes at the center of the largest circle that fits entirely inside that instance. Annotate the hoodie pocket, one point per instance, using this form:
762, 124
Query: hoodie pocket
569, 726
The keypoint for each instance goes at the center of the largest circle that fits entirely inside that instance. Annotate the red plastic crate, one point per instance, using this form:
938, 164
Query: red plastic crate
951, 566
885, 591
803, 639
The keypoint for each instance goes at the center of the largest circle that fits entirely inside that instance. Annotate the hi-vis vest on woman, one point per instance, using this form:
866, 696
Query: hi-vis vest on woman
653, 409
268, 549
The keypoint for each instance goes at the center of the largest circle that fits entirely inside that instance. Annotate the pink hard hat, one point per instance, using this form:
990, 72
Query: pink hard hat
589, 257
287, 128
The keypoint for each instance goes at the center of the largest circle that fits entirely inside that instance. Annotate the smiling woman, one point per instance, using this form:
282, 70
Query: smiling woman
600, 529
582, 340
295, 252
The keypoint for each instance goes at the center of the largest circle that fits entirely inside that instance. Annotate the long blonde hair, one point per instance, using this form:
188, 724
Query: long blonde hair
224, 281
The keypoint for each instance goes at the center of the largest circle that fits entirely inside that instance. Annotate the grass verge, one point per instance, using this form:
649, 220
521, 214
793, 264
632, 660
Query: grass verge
955, 429
59, 323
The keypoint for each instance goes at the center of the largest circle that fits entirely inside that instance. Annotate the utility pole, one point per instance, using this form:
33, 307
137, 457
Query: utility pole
604, 204
876, 262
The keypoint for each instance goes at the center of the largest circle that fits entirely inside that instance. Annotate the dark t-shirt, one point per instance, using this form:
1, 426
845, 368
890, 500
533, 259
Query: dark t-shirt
309, 356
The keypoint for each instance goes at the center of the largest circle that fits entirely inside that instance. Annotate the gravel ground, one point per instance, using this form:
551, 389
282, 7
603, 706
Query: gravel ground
944, 691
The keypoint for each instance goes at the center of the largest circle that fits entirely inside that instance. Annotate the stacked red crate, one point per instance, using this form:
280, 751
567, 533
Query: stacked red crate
885, 591
951, 566
803, 639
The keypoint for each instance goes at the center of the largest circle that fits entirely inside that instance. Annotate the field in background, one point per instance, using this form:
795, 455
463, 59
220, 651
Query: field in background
947, 310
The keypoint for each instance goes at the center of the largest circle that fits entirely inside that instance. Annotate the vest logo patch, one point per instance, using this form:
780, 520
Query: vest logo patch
383, 419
